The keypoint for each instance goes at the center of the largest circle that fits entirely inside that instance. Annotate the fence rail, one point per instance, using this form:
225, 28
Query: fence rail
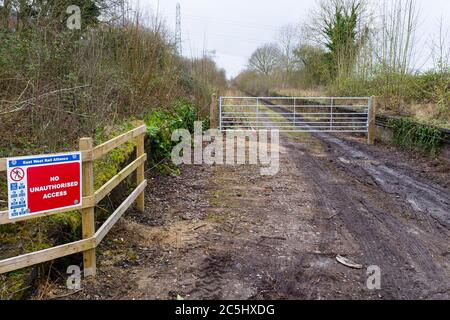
91, 238
299, 114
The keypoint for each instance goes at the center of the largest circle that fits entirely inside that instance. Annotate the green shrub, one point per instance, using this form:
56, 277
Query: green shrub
161, 124
412, 135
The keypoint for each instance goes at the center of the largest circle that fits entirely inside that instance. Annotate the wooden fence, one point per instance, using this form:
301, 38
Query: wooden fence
90, 238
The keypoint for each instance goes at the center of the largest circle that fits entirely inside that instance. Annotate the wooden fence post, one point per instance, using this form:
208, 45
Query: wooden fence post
88, 214
213, 113
372, 130
140, 171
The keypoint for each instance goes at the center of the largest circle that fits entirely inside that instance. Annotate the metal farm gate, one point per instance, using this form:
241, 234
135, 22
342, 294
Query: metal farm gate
296, 114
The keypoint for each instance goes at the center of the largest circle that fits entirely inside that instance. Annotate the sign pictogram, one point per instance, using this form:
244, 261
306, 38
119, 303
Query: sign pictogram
17, 174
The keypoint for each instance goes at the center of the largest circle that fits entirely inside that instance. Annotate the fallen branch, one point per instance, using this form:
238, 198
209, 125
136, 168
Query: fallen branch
199, 227
346, 262
274, 238
235, 222
20, 105
331, 217
66, 295
20, 290
66, 111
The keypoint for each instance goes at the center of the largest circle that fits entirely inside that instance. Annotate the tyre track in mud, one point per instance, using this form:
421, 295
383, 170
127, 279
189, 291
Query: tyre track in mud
382, 208
424, 197
210, 277
377, 216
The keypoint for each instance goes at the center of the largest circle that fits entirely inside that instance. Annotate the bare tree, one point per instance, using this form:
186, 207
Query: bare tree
289, 41
265, 59
441, 49
397, 35
441, 59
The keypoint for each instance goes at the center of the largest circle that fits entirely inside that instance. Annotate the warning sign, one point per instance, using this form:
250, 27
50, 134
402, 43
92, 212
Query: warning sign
39, 184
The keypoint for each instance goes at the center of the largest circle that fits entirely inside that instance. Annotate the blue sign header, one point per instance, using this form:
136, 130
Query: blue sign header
54, 159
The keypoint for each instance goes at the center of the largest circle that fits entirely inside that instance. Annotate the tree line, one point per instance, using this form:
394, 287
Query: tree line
355, 48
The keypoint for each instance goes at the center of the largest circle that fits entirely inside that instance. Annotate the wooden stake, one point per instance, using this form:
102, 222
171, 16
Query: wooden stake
213, 113
88, 214
140, 172
372, 130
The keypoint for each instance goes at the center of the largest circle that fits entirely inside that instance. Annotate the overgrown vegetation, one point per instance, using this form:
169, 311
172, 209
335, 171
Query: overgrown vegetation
58, 84
412, 135
160, 126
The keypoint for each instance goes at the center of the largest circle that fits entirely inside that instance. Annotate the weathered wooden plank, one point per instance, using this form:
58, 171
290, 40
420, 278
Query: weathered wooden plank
106, 227
114, 182
84, 245
140, 172
33, 258
86, 155
104, 148
87, 203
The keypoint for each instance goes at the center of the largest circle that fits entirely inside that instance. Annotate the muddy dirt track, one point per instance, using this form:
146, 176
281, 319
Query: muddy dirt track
226, 232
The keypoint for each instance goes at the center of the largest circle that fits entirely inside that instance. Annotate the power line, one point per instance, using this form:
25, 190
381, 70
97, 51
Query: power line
233, 23
229, 37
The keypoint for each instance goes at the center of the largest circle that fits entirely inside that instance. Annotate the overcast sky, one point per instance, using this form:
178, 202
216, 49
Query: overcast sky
235, 28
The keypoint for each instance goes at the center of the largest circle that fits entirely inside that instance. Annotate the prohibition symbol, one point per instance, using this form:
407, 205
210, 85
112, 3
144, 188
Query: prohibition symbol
17, 174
